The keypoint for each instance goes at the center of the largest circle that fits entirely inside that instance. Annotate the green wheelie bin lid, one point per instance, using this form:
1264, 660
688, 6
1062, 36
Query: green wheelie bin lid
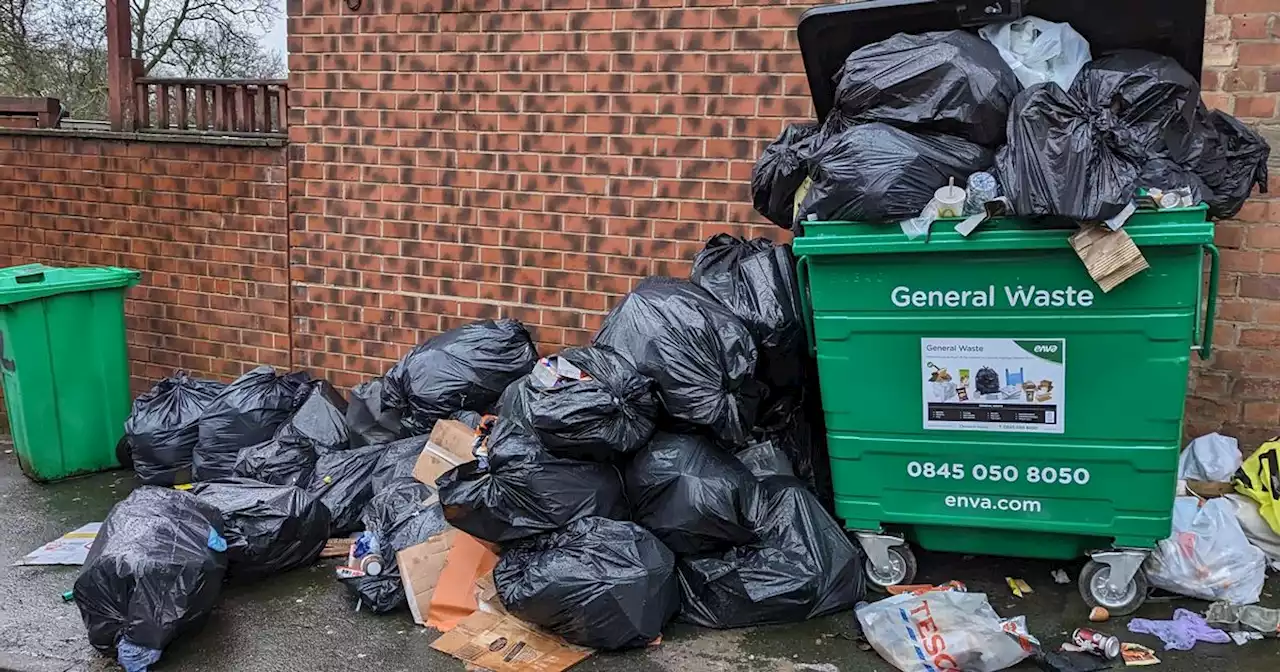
38, 281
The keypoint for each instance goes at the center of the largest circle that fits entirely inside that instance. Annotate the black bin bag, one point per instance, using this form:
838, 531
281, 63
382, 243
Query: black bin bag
1152, 98
405, 513
700, 355
397, 461
693, 496
164, 427
802, 566
320, 418
154, 572
756, 280
951, 82
780, 171
1232, 161
598, 583
369, 419
523, 490
269, 528
878, 173
246, 413
343, 482
464, 368
764, 460
287, 460
605, 412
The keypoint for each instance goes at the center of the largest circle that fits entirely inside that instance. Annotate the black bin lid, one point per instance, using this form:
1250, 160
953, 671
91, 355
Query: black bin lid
828, 34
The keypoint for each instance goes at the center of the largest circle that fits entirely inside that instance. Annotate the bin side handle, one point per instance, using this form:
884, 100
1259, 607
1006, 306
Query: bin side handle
806, 309
1204, 332
29, 278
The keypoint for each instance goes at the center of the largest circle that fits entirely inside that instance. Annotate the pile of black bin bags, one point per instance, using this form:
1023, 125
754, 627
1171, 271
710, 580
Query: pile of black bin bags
913, 112
669, 469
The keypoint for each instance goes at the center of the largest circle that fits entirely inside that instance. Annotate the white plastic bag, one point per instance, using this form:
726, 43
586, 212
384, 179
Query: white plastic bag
1212, 457
1208, 556
1039, 51
1255, 527
944, 631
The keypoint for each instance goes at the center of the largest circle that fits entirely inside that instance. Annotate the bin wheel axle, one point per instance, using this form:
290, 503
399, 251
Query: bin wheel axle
890, 561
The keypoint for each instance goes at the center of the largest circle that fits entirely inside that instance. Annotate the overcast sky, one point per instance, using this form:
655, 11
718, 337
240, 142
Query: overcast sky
276, 37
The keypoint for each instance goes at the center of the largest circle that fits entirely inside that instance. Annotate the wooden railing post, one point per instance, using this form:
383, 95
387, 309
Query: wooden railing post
120, 66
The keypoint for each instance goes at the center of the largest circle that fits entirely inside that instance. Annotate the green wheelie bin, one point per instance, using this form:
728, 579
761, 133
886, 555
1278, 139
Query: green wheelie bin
982, 395
65, 368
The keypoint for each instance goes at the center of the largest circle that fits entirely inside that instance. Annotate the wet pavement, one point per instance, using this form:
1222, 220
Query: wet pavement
304, 619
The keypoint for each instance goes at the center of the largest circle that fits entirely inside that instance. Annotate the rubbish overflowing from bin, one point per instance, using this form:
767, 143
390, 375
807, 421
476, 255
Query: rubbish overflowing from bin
677, 467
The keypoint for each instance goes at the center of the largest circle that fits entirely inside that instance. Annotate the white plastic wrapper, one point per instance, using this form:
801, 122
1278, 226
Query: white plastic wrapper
1039, 51
944, 631
1212, 457
1208, 557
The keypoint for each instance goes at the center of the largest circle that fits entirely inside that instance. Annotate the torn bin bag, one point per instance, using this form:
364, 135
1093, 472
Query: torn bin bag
878, 173
802, 566
343, 481
1066, 158
163, 428
369, 419
756, 280
464, 368
598, 583
780, 171
288, 460
951, 82
321, 418
601, 410
694, 496
246, 413
404, 514
269, 528
154, 572
522, 490
701, 356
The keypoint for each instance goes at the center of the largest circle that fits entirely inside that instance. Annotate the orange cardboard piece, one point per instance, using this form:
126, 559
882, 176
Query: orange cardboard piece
455, 595
420, 569
502, 643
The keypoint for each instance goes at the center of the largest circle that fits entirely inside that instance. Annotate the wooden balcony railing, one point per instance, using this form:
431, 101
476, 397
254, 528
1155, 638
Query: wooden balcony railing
221, 106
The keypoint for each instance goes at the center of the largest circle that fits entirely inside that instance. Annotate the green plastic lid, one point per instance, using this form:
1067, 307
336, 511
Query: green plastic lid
37, 281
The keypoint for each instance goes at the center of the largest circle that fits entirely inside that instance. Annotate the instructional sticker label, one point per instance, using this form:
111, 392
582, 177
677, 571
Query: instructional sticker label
994, 384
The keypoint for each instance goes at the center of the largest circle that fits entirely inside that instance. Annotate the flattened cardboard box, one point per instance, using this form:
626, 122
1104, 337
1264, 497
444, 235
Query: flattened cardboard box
502, 643
448, 447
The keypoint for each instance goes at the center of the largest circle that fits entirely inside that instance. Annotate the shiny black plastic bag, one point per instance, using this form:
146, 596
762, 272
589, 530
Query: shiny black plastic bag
700, 355
756, 279
523, 490
269, 528
397, 461
780, 171
320, 419
986, 381
602, 418
464, 368
288, 460
802, 566
154, 572
694, 496
343, 481
598, 583
764, 460
878, 173
164, 427
951, 82
1233, 160
403, 514
1151, 96
369, 419
1067, 158
246, 413
787, 426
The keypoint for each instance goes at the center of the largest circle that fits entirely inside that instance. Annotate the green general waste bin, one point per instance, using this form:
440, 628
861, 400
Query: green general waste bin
65, 366
982, 395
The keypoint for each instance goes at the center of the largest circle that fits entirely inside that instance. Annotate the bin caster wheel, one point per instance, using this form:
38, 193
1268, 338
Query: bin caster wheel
900, 570
124, 453
1097, 591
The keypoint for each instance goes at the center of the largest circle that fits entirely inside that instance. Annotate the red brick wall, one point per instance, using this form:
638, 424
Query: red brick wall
206, 225
476, 158
1238, 392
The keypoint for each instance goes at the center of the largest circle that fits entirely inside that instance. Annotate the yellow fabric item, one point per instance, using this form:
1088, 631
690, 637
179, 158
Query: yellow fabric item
1259, 480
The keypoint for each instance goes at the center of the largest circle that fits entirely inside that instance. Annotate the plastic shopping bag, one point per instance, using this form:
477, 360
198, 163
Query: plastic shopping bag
1212, 457
944, 631
1208, 556
1039, 51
